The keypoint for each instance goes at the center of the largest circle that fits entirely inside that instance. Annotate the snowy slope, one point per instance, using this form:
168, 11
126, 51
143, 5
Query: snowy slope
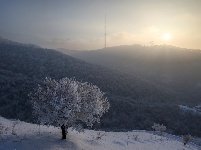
194, 110
25, 136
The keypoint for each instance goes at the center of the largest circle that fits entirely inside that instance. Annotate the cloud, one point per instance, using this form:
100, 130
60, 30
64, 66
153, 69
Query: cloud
115, 39
153, 29
78, 44
123, 38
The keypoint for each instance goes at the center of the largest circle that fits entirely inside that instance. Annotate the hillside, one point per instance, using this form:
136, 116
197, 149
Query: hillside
25, 136
39, 63
135, 103
172, 67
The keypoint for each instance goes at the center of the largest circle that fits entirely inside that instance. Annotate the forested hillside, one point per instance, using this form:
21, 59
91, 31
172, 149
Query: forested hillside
135, 103
172, 67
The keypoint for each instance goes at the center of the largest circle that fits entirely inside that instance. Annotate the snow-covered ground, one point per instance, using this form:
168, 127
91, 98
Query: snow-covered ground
194, 110
25, 136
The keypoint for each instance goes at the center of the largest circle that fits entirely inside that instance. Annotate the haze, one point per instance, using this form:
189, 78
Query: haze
80, 24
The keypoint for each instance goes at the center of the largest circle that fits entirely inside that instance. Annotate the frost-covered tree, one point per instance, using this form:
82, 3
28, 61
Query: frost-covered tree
68, 103
159, 128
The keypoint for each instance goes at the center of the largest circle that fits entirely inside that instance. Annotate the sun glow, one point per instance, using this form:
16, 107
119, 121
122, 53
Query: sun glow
167, 37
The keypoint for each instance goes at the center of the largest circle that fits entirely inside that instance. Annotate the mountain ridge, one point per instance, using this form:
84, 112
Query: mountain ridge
168, 66
135, 103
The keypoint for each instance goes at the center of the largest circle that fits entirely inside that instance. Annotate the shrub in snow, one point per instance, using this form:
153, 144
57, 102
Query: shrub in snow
68, 103
99, 135
135, 137
3, 130
186, 139
159, 128
13, 129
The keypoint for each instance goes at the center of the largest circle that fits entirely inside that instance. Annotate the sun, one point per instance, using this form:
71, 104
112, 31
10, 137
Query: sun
167, 37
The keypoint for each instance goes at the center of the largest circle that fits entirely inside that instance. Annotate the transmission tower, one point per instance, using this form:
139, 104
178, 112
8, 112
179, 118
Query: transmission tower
105, 33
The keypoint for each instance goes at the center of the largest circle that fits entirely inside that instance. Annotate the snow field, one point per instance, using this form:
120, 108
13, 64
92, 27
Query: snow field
25, 136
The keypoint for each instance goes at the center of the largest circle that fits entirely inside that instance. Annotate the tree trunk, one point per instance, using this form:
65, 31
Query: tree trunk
64, 131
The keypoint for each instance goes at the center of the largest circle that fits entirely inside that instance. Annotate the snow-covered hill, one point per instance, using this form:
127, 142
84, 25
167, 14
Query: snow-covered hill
24, 136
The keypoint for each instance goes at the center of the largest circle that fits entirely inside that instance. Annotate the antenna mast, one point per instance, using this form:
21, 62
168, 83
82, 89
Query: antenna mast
105, 32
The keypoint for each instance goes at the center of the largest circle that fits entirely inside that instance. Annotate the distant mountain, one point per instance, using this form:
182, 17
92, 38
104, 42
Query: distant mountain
38, 63
67, 51
172, 67
135, 103
6, 41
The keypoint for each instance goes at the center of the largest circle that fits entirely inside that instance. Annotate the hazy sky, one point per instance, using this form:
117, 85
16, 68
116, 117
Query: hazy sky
79, 24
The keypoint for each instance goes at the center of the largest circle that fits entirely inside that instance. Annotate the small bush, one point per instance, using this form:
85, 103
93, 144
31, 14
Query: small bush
159, 128
3, 130
186, 139
99, 135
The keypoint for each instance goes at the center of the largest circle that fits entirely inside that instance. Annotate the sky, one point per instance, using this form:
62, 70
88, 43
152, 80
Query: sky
80, 24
